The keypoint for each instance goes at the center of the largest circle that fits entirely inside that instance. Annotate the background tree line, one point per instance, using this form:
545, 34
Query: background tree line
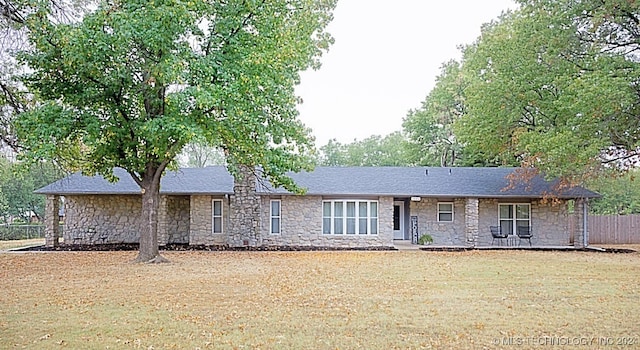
552, 86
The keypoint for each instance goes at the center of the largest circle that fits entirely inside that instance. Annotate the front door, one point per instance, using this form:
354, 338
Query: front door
398, 220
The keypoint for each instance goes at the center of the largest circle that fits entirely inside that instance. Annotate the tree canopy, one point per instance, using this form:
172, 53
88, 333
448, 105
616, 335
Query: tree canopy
17, 183
390, 150
134, 81
547, 87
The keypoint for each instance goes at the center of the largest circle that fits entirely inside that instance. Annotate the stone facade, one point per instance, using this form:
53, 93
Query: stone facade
244, 216
581, 230
301, 225
471, 221
443, 233
549, 222
174, 219
102, 219
52, 221
473, 217
97, 219
201, 225
92, 219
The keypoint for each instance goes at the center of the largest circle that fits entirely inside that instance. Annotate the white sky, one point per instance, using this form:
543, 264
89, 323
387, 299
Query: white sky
384, 62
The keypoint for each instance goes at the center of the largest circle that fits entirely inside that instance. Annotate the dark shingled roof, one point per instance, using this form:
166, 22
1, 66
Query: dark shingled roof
210, 180
338, 181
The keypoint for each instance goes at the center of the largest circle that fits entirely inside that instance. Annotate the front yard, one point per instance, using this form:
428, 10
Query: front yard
319, 300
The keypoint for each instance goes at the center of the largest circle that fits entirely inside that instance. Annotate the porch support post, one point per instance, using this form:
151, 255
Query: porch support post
581, 233
163, 221
52, 221
471, 221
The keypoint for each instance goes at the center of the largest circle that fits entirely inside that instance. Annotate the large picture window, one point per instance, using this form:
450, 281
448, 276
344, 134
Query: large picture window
217, 215
350, 217
275, 217
513, 215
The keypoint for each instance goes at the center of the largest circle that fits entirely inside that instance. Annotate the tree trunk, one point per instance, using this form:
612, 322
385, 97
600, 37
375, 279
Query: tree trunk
149, 252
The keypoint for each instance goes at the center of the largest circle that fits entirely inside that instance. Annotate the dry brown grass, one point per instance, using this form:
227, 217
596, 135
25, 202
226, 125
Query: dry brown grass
5, 245
316, 300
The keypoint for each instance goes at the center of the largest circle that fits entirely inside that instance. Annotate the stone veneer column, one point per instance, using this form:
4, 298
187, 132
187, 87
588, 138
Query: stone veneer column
163, 219
579, 231
244, 211
52, 221
471, 221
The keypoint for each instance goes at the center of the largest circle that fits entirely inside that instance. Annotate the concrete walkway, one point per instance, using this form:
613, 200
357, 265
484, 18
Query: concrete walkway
406, 245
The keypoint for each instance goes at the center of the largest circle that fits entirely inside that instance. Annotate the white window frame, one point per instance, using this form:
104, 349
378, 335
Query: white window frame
214, 216
275, 217
514, 220
371, 219
446, 212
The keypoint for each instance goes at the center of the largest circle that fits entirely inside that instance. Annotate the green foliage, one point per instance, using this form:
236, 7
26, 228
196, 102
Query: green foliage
425, 239
544, 89
432, 140
136, 81
14, 97
390, 150
17, 183
198, 154
620, 194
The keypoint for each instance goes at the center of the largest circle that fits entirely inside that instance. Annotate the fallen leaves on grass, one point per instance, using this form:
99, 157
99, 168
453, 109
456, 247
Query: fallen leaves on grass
373, 300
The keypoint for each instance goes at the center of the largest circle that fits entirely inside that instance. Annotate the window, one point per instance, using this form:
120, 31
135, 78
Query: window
350, 217
217, 215
275, 217
445, 212
513, 215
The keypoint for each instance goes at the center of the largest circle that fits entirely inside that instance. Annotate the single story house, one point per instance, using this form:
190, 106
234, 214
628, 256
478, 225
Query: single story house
343, 207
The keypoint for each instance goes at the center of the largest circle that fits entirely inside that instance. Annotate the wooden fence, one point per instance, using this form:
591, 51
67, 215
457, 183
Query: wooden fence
614, 229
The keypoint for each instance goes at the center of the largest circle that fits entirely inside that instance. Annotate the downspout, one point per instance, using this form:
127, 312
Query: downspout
585, 222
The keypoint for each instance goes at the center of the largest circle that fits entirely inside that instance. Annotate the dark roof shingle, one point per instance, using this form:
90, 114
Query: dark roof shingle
338, 181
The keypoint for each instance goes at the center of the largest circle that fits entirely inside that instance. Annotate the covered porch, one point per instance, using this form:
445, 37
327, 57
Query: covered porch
468, 222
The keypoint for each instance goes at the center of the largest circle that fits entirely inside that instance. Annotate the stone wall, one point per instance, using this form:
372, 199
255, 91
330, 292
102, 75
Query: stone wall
201, 225
443, 233
549, 222
97, 219
52, 221
471, 221
301, 225
178, 219
472, 218
244, 215
578, 234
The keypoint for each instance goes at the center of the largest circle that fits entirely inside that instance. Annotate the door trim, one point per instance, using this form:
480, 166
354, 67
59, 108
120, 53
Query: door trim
399, 234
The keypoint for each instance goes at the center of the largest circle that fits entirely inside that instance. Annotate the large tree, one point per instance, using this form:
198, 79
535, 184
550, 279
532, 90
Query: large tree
376, 150
555, 85
135, 81
14, 98
429, 128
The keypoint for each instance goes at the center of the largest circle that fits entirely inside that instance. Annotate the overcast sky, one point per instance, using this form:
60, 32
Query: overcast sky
385, 59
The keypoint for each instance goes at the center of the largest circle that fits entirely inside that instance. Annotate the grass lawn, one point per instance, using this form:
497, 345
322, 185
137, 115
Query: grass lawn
5, 245
319, 300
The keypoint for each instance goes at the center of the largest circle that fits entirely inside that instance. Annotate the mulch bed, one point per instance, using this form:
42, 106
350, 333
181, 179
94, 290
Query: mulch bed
187, 247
